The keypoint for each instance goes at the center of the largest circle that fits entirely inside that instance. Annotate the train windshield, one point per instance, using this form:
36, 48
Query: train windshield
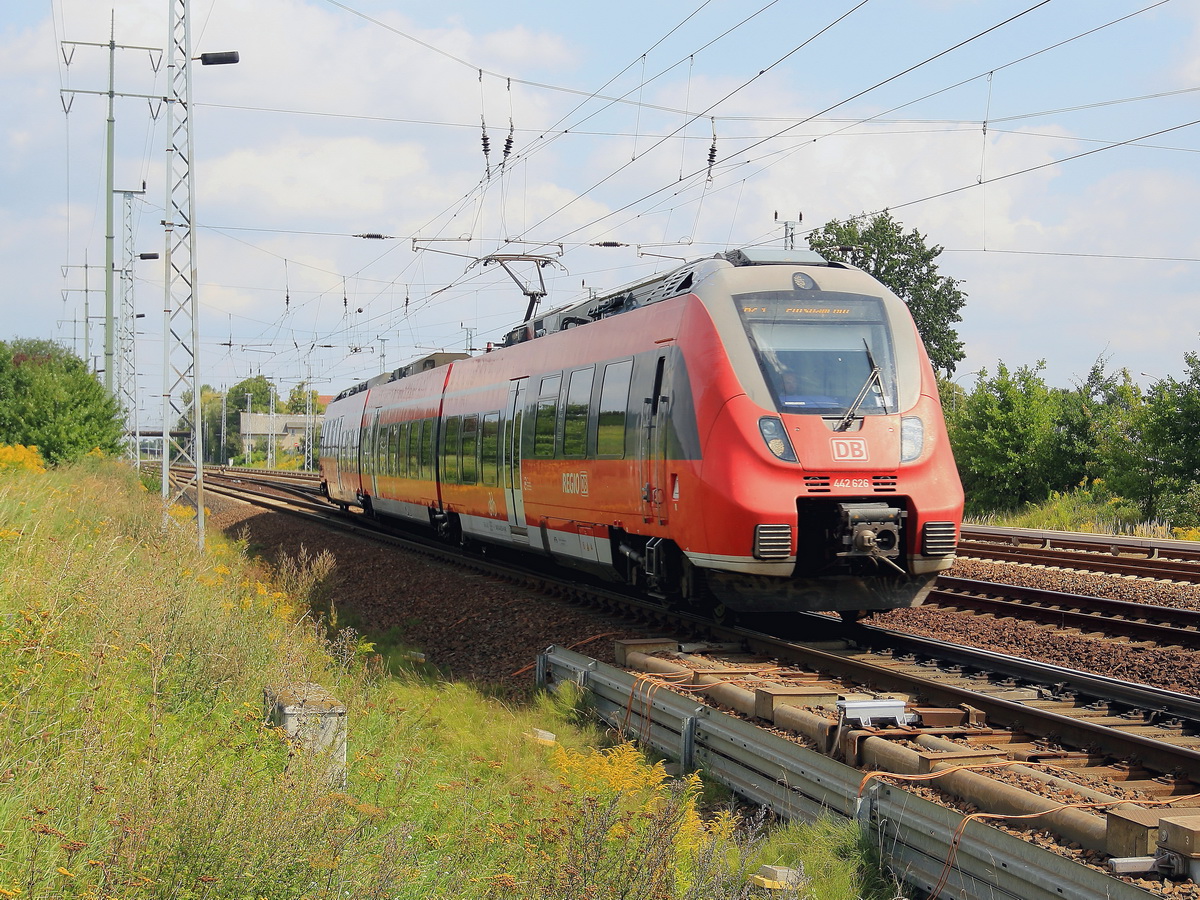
819, 350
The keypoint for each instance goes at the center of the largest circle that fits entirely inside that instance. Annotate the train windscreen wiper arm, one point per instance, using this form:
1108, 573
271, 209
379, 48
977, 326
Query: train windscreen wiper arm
872, 379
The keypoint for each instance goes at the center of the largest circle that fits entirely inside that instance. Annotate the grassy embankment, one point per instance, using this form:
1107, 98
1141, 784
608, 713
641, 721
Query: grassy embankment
1090, 507
135, 762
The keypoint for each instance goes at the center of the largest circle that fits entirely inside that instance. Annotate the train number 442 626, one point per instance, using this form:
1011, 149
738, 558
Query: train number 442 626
852, 483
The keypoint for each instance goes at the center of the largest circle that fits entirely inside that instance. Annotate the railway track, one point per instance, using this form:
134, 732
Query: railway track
1164, 626
1103, 741
1111, 554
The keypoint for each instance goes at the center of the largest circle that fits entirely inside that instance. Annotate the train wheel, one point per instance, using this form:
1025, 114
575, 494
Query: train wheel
723, 615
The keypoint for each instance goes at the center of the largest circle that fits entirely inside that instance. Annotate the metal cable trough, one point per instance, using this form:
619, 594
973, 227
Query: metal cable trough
915, 837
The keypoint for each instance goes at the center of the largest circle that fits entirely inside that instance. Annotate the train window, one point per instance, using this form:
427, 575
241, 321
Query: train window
546, 417
427, 428
450, 450
575, 415
470, 449
401, 448
414, 447
614, 399
818, 355
543, 428
489, 448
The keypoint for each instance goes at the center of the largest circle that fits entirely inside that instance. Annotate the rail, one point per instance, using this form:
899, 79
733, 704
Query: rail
1071, 540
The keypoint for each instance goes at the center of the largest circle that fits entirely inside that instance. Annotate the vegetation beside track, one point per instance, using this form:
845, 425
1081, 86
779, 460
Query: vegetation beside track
135, 762
1090, 507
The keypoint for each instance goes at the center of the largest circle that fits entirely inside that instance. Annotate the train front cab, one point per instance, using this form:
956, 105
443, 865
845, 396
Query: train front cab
844, 494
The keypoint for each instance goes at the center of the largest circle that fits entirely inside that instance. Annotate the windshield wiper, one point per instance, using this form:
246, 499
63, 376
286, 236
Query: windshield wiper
875, 378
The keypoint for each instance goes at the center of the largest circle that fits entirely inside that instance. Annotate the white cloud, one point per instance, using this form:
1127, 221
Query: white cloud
334, 180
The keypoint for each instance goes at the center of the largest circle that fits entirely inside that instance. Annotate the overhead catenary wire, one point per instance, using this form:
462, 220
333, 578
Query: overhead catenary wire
709, 169
861, 93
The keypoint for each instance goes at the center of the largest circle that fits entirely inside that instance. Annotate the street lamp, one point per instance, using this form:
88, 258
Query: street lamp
954, 389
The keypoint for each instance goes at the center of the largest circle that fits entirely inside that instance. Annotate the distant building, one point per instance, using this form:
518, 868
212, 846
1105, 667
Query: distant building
288, 429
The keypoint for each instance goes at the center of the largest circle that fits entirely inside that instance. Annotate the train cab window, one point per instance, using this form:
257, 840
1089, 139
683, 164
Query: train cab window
450, 450
489, 449
427, 429
818, 353
614, 399
547, 417
470, 450
575, 413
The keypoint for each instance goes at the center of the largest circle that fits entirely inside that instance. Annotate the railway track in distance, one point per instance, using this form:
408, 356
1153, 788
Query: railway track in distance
1110, 554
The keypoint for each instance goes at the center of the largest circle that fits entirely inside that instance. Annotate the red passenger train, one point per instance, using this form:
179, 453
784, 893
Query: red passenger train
759, 431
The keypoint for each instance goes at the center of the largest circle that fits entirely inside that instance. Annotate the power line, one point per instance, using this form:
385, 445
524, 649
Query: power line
1124, 256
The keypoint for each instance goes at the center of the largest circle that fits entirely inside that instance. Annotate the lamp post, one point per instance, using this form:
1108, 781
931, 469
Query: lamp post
954, 389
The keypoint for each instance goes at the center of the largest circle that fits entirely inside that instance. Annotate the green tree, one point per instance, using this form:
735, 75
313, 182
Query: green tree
259, 391
1004, 436
49, 399
906, 264
1085, 415
299, 399
1151, 456
210, 414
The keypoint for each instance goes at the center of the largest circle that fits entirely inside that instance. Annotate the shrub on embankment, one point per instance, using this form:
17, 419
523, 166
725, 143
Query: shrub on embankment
135, 761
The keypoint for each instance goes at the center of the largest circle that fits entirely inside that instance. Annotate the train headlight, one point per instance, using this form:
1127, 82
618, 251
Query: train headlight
912, 438
776, 437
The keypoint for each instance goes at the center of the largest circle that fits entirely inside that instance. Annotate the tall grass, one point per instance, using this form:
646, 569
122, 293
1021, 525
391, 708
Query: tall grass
1089, 507
135, 761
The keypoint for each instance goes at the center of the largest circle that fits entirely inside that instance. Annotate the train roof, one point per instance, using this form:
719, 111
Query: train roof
424, 364
662, 286
658, 287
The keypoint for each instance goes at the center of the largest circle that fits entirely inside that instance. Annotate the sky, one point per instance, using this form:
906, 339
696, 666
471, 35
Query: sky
1049, 147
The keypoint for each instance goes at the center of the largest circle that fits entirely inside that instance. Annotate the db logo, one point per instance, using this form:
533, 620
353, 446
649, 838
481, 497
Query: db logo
849, 449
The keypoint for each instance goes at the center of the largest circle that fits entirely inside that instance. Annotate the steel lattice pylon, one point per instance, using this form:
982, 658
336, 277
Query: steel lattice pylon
181, 340
126, 337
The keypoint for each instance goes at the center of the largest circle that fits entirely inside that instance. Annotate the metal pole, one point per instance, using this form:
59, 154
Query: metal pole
181, 326
109, 235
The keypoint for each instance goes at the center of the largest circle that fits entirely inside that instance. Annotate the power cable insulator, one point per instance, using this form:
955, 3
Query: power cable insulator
712, 151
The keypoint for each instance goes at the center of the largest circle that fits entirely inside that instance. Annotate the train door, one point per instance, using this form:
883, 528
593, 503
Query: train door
652, 455
348, 467
512, 455
371, 456
330, 464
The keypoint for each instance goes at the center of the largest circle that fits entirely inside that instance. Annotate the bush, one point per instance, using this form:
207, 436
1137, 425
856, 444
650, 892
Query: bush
20, 458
